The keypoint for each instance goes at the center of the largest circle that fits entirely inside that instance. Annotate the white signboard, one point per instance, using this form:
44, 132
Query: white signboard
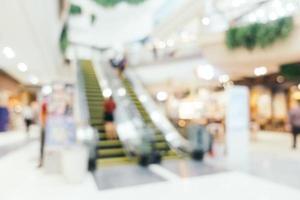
237, 126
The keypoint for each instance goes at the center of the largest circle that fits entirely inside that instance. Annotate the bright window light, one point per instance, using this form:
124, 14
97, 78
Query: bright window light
22, 67
206, 72
260, 71
9, 52
162, 96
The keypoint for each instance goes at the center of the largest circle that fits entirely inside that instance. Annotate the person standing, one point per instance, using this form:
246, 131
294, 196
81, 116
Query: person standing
109, 108
294, 123
28, 116
43, 121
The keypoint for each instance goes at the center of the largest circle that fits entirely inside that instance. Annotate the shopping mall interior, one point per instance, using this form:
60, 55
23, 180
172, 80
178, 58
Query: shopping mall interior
151, 99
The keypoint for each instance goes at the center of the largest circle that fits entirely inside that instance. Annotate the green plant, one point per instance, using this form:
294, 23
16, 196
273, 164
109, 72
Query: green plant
75, 9
291, 71
259, 34
64, 41
112, 3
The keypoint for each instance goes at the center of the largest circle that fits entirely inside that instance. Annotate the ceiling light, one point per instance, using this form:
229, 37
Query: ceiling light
161, 45
22, 67
260, 71
206, 72
143, 98
34, 80
107, 93
46, 90
170, 43
162, 96
224, 78
205, 21
121, 92
280, 79
8, 52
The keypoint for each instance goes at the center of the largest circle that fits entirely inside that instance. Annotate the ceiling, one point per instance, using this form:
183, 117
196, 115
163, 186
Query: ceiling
31, 29
117, 26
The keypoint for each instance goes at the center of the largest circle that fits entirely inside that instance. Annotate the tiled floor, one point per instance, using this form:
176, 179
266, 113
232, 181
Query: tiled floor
124, 176
274, 165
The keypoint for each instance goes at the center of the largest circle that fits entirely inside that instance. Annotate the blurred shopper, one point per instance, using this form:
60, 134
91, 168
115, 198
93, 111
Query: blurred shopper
294, 120
4, 118
109, 108
43, 121
28, 115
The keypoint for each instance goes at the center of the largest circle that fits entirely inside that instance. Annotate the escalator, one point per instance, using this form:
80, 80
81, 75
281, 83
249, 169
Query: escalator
109, 152
160, 143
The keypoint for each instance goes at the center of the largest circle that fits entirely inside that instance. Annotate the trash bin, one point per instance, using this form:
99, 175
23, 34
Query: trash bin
75, 163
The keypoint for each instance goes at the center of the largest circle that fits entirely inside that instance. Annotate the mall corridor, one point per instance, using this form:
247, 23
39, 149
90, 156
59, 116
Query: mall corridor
150, 99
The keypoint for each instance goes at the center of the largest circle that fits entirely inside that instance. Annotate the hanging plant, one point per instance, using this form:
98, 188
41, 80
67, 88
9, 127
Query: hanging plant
259, 34
112, 3
75, 9
64, 41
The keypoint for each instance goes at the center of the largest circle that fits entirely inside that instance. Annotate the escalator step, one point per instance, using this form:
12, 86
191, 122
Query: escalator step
161, 146
103, 162
109, 144
111, 153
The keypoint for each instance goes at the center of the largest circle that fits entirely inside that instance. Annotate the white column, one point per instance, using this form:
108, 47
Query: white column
237, 127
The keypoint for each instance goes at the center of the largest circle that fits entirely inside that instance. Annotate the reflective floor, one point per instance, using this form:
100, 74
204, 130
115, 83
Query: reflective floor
272, 174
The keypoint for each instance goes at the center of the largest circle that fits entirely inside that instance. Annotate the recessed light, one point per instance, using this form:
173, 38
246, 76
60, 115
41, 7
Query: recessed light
47, 89
22, 67
162, 96
206, 72
224, 78
205, 21
260, 71
34, 80
8, 52
121, 92
107, 93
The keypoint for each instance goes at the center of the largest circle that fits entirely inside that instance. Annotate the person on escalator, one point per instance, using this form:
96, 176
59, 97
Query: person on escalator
109, 108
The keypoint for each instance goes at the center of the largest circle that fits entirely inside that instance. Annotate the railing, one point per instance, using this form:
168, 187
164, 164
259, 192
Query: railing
173, 137
127, 118
85, 133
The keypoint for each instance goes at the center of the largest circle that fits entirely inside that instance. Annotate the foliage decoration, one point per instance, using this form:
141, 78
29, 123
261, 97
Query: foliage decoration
75, 9
112, 3
291, 71
64, 41
259, 34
